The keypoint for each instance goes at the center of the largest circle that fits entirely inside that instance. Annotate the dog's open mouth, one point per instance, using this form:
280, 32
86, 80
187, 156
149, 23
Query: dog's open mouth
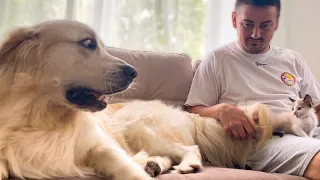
86, 98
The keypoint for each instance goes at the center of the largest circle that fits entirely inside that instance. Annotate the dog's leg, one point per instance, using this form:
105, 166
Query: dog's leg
157, 165
190, 158
114, 162
154, 165
3, 170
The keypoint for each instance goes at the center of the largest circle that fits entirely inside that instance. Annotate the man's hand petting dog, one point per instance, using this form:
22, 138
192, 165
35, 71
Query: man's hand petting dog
236, 123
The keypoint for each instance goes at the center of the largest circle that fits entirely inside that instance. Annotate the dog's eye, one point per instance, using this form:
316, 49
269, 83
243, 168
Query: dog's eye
89, 44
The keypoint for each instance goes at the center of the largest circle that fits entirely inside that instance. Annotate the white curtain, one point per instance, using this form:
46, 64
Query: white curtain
189, 26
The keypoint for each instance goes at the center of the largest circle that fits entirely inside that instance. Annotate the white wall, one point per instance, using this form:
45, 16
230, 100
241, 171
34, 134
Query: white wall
300, 30
305, 32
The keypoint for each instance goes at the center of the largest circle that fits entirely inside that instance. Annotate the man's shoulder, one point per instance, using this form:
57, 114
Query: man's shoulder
222, 51
225, 49
285, 51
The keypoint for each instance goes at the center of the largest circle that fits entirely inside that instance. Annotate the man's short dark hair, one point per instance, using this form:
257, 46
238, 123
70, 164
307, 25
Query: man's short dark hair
259, 3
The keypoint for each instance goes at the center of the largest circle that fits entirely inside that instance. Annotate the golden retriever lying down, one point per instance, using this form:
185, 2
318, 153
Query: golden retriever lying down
167, 137
53, 77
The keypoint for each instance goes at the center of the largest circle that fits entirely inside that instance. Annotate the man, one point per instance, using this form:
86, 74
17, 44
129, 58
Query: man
251, 70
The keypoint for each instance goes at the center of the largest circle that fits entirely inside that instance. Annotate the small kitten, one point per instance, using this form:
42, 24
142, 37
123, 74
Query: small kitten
301, 121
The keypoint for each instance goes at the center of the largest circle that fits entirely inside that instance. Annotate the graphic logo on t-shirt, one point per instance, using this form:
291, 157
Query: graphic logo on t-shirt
288, 79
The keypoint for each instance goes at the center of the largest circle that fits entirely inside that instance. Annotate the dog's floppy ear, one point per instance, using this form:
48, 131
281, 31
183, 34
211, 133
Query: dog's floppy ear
16, 47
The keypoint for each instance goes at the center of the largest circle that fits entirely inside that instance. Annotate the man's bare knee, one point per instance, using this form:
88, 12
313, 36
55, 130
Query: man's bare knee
312, 172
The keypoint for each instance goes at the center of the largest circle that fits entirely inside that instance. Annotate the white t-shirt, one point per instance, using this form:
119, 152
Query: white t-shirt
230, 75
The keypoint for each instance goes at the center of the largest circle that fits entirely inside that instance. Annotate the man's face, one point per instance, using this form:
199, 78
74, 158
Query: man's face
255, 27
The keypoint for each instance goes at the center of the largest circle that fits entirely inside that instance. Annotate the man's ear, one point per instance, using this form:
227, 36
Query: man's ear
277, 25
16, 48
234, 19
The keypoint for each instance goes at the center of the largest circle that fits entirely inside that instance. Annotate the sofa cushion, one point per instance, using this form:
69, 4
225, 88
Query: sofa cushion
208, 173
214, 173
165, 76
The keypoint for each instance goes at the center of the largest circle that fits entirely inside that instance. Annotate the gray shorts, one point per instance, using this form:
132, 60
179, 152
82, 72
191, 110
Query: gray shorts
287, 155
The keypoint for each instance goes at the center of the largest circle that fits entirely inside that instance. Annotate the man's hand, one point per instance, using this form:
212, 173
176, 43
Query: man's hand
235, 122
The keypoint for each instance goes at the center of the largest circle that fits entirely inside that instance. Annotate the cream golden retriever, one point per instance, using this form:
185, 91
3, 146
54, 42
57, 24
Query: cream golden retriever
167, 136
52, 77
54, 121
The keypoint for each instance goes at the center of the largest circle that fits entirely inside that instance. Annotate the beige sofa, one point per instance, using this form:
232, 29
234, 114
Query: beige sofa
168, 76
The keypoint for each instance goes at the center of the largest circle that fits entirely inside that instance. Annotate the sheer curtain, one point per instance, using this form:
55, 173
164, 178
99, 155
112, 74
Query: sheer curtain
190, 26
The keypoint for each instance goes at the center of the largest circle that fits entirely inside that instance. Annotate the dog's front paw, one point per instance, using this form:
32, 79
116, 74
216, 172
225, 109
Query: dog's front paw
185, 168
152, 168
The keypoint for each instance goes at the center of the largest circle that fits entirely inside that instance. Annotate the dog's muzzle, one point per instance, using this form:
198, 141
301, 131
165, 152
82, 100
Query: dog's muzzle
86, 98
94, 100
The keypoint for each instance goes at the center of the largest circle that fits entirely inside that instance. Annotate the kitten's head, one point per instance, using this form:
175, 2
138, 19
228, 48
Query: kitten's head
301, 106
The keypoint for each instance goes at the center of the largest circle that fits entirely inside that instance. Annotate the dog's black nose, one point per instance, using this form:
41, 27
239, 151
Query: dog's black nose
129, 70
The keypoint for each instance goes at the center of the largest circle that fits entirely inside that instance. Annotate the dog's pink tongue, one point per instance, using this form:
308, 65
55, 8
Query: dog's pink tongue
100, 97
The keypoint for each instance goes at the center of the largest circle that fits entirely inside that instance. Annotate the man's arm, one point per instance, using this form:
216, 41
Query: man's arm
309, 84
204, 95
211, 111
205, 87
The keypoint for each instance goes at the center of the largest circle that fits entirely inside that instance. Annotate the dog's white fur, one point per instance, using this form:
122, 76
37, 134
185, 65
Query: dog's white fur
43, 135
187, 139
